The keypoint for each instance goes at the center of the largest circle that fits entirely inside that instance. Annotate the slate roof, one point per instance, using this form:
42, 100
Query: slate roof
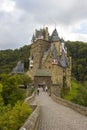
42, 72
64, 61
54, 52
19, 69
54, 36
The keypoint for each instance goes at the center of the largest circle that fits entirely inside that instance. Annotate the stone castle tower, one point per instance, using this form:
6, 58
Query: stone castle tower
49, 64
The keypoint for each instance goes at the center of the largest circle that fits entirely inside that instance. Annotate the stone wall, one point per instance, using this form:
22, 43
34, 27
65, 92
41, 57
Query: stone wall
33, 121
55, 70
57, 75
57, 45
37, 49
43, 79
68, 74
82, 110
56, 89
31, 98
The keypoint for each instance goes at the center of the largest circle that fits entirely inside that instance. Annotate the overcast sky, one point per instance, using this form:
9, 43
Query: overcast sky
19, 19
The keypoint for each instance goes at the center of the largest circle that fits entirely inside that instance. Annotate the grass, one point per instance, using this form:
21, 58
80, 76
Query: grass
73, 92
78, 93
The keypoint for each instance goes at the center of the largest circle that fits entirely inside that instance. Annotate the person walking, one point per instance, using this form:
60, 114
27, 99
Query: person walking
38, 90
46, 89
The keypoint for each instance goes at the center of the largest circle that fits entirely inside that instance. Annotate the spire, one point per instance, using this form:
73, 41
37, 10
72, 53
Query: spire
54, 36
33, 38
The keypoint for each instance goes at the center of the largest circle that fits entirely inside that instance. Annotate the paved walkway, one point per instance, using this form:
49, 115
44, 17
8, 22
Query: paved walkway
57, 117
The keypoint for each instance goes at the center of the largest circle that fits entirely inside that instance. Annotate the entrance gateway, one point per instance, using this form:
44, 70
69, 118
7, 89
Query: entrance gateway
42, 84
42, 78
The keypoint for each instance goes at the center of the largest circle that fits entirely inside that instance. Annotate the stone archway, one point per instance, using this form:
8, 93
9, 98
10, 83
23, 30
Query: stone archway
42, 85
42, 77
42, 81
47, 81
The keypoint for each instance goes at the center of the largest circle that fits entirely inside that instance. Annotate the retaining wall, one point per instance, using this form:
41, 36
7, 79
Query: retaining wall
81, 109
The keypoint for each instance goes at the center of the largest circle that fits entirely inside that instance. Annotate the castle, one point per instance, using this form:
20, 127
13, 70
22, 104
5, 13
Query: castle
49, 64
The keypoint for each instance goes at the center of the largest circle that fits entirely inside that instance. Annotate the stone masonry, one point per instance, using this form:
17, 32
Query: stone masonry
49, 53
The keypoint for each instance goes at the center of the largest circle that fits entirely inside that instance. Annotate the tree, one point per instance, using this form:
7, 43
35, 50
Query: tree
9, 58
13, 118
11, 92
78, 52
19, 114
12, 111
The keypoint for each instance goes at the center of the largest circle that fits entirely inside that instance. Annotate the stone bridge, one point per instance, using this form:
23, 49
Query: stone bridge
58, 117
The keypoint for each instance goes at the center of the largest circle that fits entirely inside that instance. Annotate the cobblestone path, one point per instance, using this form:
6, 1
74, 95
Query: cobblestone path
57, 117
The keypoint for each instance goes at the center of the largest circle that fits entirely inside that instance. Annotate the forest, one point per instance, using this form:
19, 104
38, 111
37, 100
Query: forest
78, 52
9, 58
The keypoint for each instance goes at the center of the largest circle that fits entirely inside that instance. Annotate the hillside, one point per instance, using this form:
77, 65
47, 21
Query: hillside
78, 93
9, 58
78, 52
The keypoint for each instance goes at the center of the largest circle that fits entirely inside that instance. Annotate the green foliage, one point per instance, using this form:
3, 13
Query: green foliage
78, 52
13, 118
1, 99
81, 97
11, 92
25, 80
78, 93
1, 102
9, 58
73, 92
13, 112
1, 87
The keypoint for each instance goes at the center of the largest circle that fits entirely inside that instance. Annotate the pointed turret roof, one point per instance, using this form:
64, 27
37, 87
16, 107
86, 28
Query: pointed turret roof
54, 36
33, 38
19, 69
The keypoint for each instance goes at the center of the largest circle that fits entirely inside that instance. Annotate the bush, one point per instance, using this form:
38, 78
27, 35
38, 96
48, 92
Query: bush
14, 119
78, 93
11, 92
81, 97
13, 113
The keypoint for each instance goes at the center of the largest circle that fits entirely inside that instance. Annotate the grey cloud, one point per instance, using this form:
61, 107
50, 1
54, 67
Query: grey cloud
61, 11
16, 27
14, 31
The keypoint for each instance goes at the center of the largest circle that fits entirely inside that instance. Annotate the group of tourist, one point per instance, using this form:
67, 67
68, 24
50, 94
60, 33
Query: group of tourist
45, 89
